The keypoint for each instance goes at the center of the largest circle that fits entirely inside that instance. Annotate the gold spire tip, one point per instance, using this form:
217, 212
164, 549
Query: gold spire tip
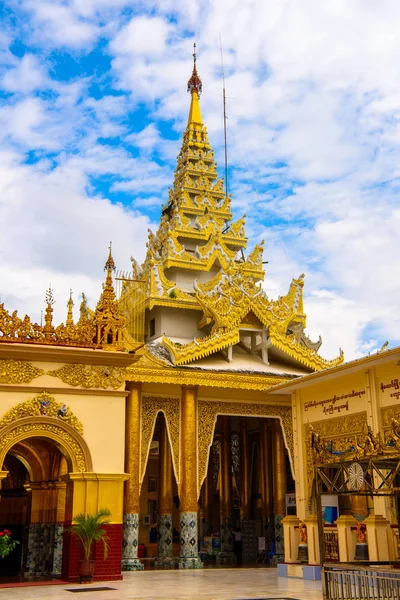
110, 264
194, 84
49, 298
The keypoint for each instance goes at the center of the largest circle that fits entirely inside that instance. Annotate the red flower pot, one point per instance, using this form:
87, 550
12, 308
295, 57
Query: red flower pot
85, 570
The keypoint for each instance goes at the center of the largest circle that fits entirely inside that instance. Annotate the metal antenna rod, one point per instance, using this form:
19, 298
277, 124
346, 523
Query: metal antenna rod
224, 98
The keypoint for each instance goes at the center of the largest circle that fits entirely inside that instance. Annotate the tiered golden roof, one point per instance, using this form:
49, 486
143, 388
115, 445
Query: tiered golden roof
196, 235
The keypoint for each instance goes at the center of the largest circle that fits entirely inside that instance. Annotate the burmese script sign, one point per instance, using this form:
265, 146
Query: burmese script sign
395, 385
334, 405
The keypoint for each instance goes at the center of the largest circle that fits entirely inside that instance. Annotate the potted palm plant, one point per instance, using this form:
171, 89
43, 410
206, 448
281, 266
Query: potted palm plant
89, 529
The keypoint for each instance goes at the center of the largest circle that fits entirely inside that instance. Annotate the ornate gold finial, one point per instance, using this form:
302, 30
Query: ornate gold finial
70, 316
48, 329
110, 264
194, 84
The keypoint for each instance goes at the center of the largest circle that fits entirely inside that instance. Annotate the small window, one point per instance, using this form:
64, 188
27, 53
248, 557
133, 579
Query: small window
152, 327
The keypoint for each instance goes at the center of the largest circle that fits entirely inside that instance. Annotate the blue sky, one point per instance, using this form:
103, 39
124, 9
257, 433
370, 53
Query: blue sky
93, 103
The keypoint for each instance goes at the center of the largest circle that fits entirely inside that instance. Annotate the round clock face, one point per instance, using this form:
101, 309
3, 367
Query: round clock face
356, 477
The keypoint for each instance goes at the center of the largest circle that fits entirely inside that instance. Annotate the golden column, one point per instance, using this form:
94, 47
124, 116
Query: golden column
130, 542
226, 556
165, 555
265, 460
188, 480
280, 484
244, 472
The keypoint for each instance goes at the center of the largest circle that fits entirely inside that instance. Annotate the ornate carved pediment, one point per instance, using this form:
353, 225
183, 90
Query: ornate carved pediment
42, 405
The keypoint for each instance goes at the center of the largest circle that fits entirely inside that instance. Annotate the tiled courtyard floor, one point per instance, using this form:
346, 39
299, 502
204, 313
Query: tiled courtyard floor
216, 584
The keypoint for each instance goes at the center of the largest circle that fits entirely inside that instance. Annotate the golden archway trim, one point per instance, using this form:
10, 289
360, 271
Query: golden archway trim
151, 406
208, 411
42, 405
71, 443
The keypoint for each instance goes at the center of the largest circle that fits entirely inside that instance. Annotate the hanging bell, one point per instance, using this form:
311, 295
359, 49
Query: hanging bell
303, 553
361, 551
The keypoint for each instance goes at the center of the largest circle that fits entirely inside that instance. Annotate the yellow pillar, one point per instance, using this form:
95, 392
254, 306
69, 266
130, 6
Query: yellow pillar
280, 484
165, 557
377, 538
130, 561
312, 539
226, 556
347, 537
188, 480
292, 539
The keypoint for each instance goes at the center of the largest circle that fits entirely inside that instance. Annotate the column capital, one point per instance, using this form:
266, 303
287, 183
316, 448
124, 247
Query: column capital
134, 386
189, 387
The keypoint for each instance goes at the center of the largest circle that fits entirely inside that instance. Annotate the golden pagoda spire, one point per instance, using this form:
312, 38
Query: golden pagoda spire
109, 323
70, 316
48, 329
195, 87
108, 297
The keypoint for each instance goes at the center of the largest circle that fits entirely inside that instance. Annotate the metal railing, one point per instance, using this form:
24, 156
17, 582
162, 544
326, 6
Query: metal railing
366, 583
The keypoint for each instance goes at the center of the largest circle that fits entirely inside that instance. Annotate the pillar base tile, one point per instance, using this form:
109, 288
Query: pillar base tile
58, 550
165, 558
130, 543
190, 563
227, 540
249, 541
132, 564
165, 563
188, 558
279, 539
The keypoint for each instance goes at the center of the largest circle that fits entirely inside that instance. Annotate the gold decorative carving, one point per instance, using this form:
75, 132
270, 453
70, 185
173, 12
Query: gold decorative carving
60, 433
238, 381
91, 376
151, 406
338, 429
207, 412
104, 328
388, 413
18, 371
42, 405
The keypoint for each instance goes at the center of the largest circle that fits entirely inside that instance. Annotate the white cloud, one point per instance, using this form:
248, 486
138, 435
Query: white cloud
146, 36
55, 22
28, 75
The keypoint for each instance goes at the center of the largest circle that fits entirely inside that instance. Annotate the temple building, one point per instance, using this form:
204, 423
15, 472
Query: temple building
188, 403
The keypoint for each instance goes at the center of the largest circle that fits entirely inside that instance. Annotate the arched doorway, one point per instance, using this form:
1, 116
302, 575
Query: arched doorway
38, 455
32, 507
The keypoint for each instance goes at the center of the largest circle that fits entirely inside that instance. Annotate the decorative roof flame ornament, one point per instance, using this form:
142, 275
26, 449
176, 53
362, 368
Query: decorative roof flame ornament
70, 316
48, 329
195, 84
